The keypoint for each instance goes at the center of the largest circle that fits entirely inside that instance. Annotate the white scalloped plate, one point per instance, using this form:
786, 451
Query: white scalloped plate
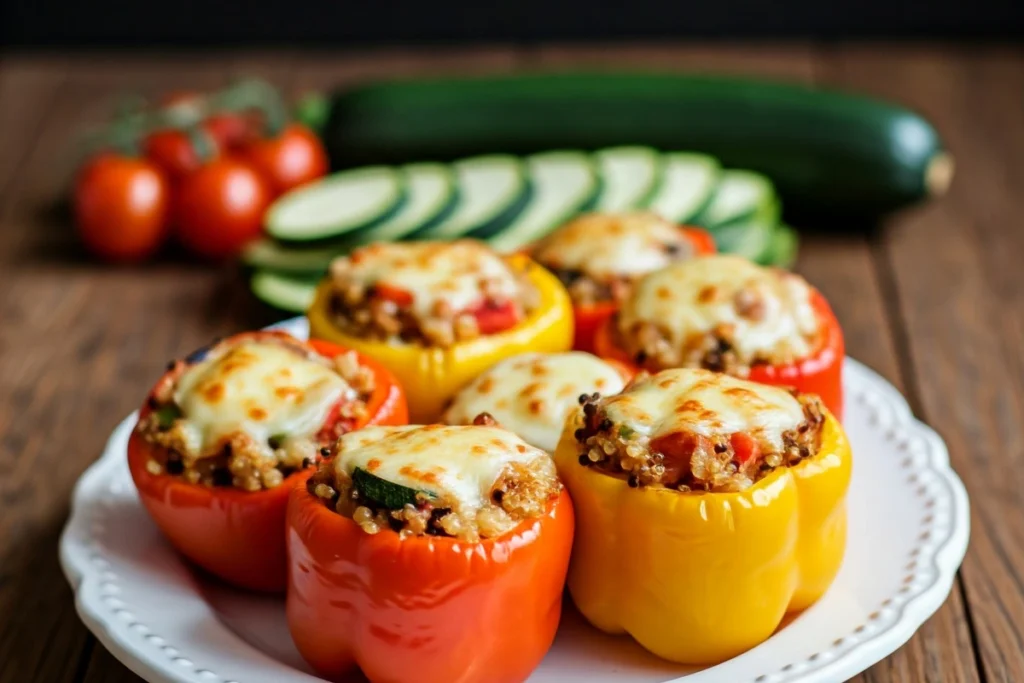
908, 532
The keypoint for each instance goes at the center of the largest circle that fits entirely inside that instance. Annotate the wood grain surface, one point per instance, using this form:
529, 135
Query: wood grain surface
934, 302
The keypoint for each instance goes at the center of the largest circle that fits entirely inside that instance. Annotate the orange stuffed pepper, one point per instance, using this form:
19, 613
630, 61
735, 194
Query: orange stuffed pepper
439, 313
727, 314
226, 433
432, 554
599, 256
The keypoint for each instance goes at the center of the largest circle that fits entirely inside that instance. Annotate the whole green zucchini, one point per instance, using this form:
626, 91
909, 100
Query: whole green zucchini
829, 153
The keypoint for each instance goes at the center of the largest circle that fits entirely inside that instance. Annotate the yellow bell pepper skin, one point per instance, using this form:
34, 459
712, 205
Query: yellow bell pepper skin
821, 484
700, 578
432, 375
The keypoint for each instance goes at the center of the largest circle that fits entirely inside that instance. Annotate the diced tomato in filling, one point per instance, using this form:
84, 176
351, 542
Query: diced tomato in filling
676, 450
335, 425
745, 447
398, 295
492, 317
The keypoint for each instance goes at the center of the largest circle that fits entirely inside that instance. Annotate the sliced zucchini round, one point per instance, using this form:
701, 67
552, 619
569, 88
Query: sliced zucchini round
284, 292
271, 255
750, 240
783, 248
741, 196
630, 177
338, 205
564, 184
493, 190
432, 194
384, 493
689, 183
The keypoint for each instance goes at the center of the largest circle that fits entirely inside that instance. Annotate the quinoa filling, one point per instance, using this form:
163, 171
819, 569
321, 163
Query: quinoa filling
589, 290
236, 458
585, 290
697, 315
522, 491
650, 347
599, 256
378, 310
687, 461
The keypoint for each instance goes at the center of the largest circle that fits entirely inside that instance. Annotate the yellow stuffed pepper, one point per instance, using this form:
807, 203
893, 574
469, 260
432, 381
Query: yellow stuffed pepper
707, 507
437, 314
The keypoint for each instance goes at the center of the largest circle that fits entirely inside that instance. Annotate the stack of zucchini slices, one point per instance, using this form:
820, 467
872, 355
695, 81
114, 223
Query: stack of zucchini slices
508, 202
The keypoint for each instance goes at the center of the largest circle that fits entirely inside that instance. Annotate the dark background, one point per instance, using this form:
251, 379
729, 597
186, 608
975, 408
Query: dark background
337, 23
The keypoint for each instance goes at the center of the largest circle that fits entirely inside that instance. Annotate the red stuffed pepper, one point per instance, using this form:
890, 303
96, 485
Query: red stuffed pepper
727, 314
226, 433
429, 554
599, 256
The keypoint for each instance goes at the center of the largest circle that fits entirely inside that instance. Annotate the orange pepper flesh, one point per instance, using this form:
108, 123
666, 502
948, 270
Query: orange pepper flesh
589, 319
820, 373
239, 535
424, 609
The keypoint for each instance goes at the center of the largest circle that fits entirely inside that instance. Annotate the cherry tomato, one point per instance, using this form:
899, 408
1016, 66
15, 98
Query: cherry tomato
174, 152
121, 207
231, 131
220, 207
294, 157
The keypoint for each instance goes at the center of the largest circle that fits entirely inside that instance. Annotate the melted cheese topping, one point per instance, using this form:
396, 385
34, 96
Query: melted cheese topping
263, 389
532, 393
453, 273
694, 297
707, 403
462, 463
606, 246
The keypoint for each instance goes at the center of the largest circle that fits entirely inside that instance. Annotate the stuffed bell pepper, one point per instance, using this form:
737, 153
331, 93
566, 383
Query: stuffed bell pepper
226, 432
707, 507
438, 314
599, 256
727, 314
428, 554
532, 393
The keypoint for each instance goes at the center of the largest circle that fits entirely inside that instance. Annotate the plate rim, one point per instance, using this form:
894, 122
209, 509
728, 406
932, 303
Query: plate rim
84, 566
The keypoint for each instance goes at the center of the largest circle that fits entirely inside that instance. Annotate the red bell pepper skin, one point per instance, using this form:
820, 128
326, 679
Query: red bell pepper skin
588, 319
239, 535
703, 242
820, 373
424, 609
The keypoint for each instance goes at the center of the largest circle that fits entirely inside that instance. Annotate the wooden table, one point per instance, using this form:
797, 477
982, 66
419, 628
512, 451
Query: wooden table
935, 303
